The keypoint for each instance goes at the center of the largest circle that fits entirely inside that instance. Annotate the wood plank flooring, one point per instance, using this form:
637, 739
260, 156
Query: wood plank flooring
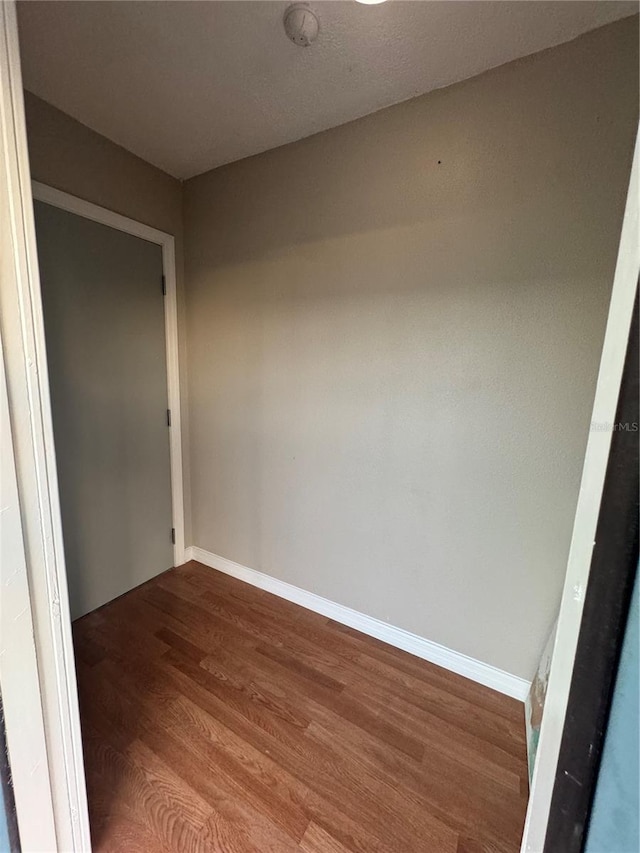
217, 717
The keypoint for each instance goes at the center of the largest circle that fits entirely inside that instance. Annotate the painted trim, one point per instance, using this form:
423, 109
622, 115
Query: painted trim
594, 470
482, 673
19, 685
88, 210
51, 801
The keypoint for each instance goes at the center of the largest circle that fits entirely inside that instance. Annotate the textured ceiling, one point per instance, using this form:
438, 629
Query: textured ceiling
190, 86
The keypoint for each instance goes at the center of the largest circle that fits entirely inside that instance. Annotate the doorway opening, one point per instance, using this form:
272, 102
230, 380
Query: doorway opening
109, 335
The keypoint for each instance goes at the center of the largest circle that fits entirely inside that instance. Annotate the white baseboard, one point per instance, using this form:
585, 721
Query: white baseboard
482, 673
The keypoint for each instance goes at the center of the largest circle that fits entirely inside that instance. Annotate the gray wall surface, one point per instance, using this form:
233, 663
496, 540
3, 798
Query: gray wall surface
4, 829
394, 330
614, 826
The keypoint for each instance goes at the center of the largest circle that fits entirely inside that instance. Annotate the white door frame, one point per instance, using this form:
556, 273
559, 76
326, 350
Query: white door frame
26, 741
88, 210
594, 469
41, 706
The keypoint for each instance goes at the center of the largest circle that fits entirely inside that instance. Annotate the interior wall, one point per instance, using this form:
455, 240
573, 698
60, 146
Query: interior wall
394, 332
71, 157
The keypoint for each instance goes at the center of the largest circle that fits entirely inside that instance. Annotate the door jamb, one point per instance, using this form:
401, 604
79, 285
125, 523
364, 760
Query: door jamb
50, 790
88, 210
614, 351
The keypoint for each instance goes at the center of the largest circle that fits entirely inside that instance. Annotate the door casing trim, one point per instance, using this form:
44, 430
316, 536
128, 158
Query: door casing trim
49, 790
89, 210
612, 360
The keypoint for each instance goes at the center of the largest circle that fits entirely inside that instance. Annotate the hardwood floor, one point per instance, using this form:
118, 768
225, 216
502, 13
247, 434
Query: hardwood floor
217, 717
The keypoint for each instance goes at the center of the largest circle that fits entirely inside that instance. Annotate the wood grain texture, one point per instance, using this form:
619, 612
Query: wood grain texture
217, 717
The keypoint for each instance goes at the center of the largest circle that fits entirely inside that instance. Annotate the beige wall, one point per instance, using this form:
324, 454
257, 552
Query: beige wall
69, 156
394, 331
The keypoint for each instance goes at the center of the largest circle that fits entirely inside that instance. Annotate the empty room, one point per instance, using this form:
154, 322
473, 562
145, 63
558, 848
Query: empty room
317, 361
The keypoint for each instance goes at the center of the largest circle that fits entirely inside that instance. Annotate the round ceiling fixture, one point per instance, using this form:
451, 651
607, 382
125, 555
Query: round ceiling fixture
371, 2
301, 25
